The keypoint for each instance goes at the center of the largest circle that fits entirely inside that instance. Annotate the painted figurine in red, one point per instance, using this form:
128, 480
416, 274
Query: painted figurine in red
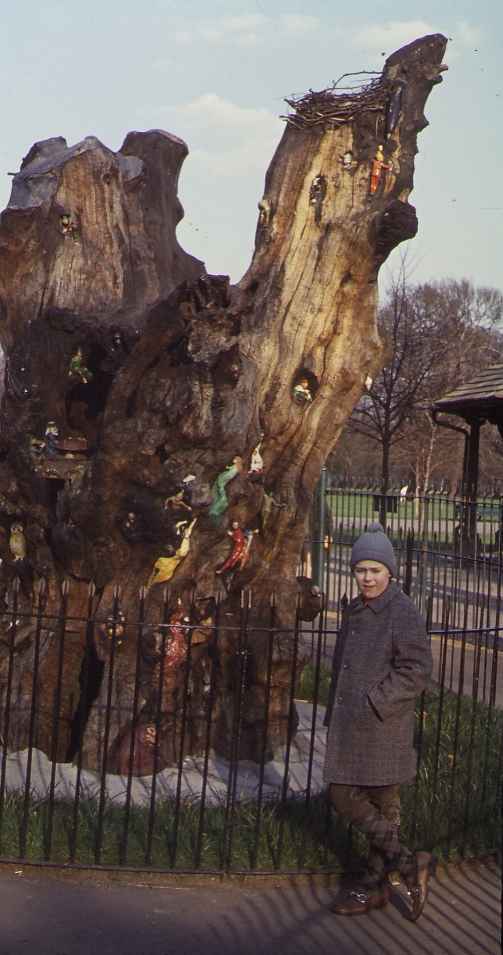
176, 654
141, 761
239, 542
378, 165
176, 643
243, 559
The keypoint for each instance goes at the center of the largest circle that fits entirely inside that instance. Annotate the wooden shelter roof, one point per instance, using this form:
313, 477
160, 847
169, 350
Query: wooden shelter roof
480, 398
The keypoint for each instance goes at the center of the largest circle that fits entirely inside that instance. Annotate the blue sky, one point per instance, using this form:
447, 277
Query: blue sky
216, 72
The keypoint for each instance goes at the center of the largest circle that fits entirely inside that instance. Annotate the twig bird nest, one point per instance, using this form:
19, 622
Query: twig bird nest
331, 109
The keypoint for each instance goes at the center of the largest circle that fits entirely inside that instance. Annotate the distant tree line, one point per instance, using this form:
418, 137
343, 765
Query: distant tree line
437, 335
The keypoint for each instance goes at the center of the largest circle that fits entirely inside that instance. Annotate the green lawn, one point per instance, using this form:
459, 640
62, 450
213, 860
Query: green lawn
436, 515
467, 813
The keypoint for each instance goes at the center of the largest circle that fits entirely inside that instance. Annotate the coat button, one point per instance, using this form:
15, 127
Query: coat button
345, 666
340, 700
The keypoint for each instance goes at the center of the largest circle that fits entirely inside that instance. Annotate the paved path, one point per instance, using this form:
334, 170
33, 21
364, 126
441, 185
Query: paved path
47, 915
485, 662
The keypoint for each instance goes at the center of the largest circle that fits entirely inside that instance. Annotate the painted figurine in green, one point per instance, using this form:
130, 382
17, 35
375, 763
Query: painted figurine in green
267, 503
218, 492
36, 448
77, 369
301, 391
69, 226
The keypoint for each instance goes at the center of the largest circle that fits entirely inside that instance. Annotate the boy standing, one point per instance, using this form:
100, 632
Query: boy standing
382, 662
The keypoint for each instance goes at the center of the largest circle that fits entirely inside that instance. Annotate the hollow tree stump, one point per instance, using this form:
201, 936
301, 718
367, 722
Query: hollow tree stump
201, 413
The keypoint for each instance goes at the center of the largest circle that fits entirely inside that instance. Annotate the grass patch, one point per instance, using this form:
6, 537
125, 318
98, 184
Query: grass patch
456, 810
289, 838
305, 686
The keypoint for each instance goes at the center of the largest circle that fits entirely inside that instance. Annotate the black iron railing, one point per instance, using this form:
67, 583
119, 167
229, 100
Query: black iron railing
203, 803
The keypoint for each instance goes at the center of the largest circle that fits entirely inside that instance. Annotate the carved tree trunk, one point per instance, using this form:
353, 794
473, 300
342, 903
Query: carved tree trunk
196, 410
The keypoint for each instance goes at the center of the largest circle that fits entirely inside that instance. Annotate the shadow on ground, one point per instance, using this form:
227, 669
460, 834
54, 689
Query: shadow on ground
45, 915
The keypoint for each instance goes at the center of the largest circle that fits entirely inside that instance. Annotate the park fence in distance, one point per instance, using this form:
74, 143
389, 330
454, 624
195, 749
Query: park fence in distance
214, 815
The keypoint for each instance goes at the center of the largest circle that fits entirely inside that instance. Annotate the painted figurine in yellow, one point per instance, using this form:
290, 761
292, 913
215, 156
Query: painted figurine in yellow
114, 627
165, 567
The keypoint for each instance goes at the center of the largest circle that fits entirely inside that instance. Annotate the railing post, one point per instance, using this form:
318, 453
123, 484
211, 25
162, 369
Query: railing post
409, 557
319, 529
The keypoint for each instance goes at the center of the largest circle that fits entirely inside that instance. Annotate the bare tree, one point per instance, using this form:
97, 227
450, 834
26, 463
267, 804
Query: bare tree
190, 408
438, 335
384, 412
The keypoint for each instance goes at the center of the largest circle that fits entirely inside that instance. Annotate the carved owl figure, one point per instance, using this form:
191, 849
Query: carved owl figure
17, 542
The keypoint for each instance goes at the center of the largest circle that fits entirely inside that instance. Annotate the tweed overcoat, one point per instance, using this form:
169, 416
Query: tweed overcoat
382, 662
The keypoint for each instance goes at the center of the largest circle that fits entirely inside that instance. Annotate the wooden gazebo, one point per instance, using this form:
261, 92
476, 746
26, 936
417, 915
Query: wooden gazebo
477, 401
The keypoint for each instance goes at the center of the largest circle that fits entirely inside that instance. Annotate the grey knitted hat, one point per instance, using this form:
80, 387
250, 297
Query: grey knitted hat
374, 545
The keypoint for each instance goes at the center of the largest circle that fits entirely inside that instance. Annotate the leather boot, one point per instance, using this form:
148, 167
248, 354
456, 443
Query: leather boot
426, 865
358, 903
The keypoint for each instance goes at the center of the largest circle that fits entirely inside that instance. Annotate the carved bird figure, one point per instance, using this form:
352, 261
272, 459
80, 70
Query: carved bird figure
17, 541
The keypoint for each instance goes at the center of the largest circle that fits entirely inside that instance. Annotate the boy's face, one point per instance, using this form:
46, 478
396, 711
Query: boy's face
372, 578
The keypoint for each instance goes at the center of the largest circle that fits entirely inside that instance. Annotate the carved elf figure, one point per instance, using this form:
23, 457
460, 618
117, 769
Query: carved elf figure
378, 165
265, 211
130, 521
176, 502
256, 460
267, 503
301, 391
36, 448
69, 225
143, 751
77, 369
51, 433
239, 542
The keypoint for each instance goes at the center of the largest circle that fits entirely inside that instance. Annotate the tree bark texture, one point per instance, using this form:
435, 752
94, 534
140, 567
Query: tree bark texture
198, 414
